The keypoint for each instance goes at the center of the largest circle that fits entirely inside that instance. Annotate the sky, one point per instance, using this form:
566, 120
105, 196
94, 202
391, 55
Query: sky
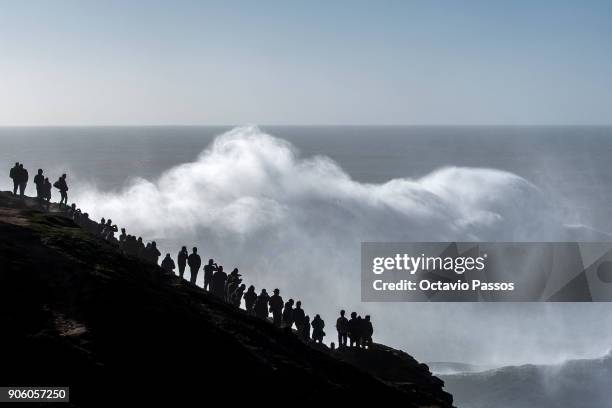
305, 62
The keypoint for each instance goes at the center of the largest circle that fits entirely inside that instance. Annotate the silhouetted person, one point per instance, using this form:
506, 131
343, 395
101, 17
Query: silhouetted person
232, 283
122, 238
61, 185
218, 283
140, 248
194, 263
131, 246
168, 264
342, 326
317, 329
14, 175
368, 331
22, 175
209, 270
261, 305
288, 314
108, 232
353, 330
298, 316
47, 192
182, 261
236, 296
101, 226
249, 300
39, 182
154, 253
276, 307
306, 328
332, 346
359, 333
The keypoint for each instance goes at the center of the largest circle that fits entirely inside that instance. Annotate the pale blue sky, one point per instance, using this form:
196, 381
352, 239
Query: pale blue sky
306, 62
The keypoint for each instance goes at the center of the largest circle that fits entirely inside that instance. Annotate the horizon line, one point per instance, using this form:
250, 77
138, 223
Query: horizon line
307, 125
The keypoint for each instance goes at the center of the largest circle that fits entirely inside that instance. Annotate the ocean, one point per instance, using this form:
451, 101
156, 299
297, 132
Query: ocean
290, 205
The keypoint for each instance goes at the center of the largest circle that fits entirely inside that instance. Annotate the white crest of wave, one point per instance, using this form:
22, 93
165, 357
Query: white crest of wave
248, 183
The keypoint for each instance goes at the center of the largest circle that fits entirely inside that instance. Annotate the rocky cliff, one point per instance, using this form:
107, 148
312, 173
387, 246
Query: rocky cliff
76, 311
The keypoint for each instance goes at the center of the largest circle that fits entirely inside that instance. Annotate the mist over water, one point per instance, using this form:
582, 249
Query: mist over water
295, 221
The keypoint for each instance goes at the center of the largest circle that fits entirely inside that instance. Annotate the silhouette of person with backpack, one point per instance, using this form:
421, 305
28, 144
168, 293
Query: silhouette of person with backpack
154, 253
209, 271
276, 307
168, 264
194, 263
14, 175
317, 329
61, 185
298, 316
182, 261
249, 300
342, 326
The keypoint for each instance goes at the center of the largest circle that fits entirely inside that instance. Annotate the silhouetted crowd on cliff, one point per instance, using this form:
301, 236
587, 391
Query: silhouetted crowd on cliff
353, 332
20, 178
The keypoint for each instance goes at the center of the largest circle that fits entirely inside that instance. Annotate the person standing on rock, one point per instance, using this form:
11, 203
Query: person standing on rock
317, 329
298, 316
122, 239
288, 314
261, 305
236, 296
182, 261
232, 283
353, 330
368, 331
342, 326
218, 283
14, 175
61, 185
39, 182
22, 175
194, 263
249, 300
276, 307
47, 192
168, 264
154, 254
209, 271
305, 333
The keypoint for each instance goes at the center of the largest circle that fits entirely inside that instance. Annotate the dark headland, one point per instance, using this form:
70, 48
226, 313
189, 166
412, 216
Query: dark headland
75, 311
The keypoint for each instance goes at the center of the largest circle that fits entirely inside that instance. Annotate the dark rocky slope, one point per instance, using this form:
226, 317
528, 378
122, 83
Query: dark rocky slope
75, 311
